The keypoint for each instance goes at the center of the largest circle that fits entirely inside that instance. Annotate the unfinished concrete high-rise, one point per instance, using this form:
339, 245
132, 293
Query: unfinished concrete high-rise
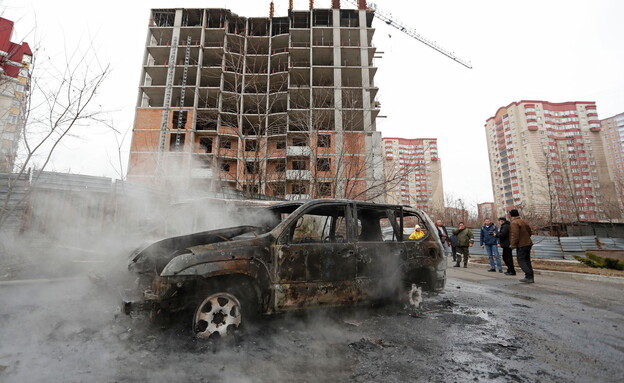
282, 106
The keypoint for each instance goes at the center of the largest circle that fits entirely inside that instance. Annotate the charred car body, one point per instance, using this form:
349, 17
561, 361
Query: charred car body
296, 255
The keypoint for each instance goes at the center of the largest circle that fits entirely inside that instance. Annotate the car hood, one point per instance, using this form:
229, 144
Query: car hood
155, 256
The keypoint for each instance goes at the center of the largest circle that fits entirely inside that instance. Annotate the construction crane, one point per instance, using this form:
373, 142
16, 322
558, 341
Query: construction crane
388, 19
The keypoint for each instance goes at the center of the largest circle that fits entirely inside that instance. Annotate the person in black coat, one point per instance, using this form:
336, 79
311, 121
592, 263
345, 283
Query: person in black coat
503, 236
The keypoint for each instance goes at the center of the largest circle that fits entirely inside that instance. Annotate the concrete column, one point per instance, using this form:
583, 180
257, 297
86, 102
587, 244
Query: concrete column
366, 101
337, 71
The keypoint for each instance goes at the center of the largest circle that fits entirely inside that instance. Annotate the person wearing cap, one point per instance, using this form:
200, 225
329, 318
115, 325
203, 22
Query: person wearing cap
418, 233
464, 241
520, 239
503, 240
489, 241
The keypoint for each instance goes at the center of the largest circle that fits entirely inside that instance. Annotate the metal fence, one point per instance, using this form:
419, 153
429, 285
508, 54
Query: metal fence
560, 248
13, 191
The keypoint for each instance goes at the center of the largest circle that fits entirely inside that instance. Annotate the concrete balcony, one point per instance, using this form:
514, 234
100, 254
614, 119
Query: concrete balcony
201, 173
298, 175
298, 151
294, 197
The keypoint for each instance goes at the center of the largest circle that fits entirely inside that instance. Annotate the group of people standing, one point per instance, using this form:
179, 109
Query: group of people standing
509, 235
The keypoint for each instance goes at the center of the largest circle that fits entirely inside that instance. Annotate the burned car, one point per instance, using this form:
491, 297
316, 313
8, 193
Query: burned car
296, 255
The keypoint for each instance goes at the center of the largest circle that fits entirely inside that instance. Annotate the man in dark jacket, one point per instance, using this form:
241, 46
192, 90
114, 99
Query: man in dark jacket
489, 241
503, 240
520, 239
444, 237
453, 239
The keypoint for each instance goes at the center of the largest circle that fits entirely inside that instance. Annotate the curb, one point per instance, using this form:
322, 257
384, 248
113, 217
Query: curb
592, 277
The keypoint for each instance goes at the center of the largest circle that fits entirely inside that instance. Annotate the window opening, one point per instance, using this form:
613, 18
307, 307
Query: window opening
324, 141
179, 118
206, 144
173, 138
323, 164
226, 144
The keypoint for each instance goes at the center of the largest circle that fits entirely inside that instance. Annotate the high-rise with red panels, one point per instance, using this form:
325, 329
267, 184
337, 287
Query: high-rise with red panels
613, 137
15, 61
548, 160
414, 173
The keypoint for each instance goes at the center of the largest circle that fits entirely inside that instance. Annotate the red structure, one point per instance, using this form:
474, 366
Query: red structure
11, 54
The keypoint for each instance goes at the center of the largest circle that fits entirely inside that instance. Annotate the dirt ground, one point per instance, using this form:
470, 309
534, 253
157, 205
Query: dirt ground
571, 266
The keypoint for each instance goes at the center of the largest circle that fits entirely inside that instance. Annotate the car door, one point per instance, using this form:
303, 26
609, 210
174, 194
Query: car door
379, 249
315, 258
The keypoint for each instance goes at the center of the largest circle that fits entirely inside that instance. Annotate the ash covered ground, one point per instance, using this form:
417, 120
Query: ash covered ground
563, 328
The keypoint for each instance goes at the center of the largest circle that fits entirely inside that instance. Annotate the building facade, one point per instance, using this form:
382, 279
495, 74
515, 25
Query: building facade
548, 159
613, 139
15, 61
487, 210
282, 106
414, 173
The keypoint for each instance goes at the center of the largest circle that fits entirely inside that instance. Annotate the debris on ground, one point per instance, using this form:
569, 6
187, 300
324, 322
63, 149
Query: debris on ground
351, 322
415, 296
370, 344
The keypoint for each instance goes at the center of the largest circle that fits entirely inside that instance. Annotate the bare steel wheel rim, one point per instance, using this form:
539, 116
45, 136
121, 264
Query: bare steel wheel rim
217, 314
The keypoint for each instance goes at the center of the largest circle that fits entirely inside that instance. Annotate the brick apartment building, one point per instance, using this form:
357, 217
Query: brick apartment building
487, 210
15, 60
544, 155
414, 173
282, 106
613, 137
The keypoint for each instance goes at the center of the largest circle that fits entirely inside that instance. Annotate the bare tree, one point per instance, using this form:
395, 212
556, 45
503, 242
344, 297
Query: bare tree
60, 102
251, 124
455, 211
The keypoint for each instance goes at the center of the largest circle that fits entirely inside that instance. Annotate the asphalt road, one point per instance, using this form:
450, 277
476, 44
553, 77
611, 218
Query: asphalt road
485, 326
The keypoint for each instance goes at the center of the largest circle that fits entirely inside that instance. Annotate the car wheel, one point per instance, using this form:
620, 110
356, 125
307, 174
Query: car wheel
222, 313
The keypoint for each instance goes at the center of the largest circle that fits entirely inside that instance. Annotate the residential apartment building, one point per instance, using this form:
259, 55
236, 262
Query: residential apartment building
613, 140
548, 159
282, 106
414, 173
15, 60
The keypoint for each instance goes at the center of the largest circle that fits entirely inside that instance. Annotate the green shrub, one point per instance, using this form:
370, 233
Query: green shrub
593, 260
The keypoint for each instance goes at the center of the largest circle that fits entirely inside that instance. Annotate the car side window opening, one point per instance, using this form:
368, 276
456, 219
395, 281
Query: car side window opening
309, 228
378, 225
319, 225
369, 225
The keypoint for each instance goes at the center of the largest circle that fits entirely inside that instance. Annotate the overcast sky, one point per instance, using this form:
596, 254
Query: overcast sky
554, 50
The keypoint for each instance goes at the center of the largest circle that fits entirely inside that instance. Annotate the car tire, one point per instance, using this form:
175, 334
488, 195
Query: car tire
223, 311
